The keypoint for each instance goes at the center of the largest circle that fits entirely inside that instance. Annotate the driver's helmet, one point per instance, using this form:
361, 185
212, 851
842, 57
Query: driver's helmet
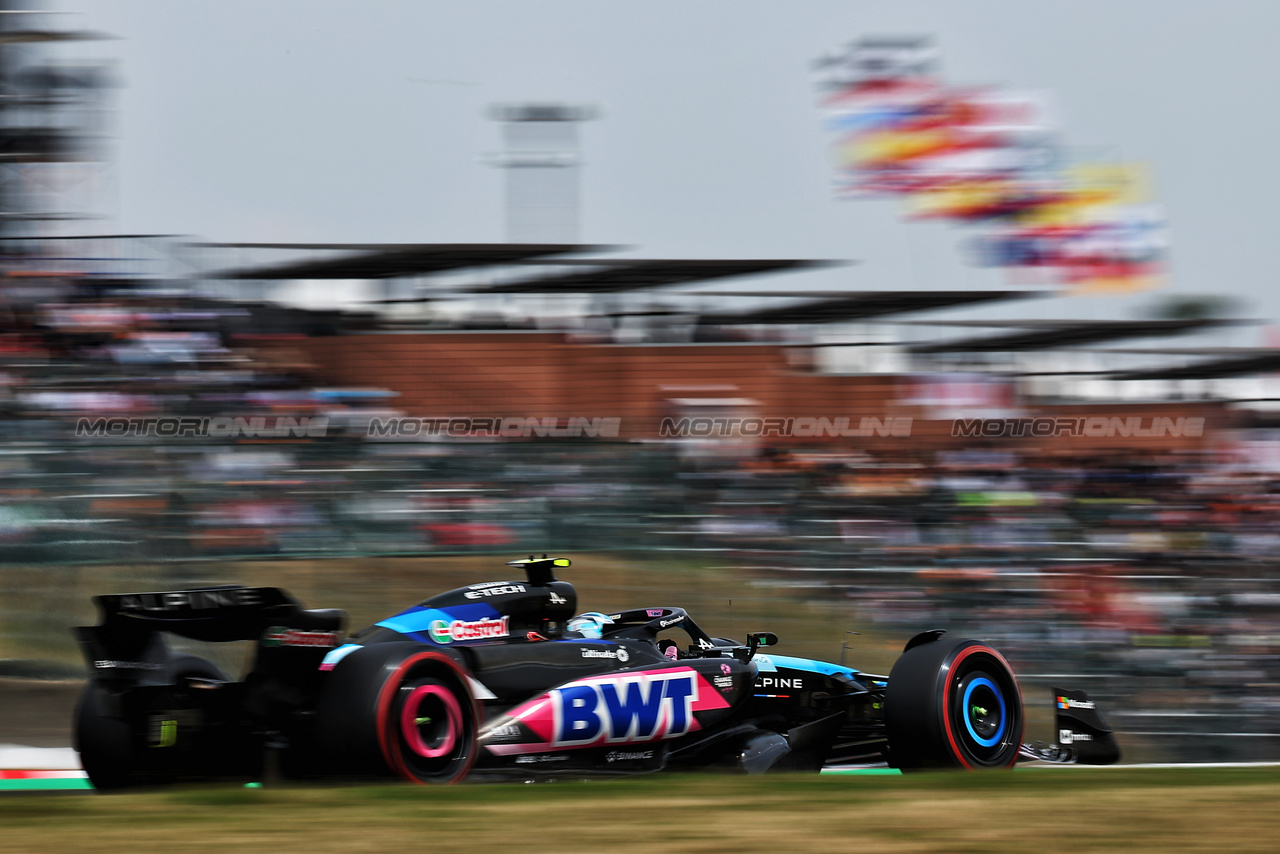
590, 625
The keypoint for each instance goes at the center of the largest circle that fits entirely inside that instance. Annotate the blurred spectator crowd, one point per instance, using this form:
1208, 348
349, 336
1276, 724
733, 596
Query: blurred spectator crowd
1148, 580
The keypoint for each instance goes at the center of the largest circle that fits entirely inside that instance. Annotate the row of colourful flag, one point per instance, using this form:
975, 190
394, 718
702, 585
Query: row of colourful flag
991, 158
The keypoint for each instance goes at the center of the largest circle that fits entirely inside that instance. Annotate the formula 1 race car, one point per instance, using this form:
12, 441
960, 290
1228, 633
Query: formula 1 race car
502, 680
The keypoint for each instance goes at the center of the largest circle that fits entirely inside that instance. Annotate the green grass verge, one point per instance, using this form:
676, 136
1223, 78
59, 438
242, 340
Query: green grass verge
40, 604
1080, 809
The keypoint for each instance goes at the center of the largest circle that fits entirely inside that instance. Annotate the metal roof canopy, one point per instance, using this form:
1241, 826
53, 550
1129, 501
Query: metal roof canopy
614, 275
1184, 351
1213, 368
51, 237
1046, 335
381, 261
863, 305
33, 36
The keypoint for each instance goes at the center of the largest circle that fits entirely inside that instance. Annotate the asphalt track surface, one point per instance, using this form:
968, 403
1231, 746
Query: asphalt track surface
73, 779
39, 715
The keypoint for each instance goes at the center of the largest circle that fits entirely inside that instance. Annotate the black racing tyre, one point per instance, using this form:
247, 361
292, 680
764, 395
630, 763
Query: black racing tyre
111, 751
401, 709
953, 704
428, 728
106, 744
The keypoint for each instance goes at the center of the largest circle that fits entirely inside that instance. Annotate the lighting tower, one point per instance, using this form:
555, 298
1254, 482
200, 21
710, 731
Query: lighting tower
541, 160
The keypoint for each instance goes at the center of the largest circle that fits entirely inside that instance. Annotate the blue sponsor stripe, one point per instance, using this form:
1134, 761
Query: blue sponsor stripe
420, 619
336, 655
770, 664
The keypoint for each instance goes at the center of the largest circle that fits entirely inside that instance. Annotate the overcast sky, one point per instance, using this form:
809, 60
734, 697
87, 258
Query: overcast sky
312, 120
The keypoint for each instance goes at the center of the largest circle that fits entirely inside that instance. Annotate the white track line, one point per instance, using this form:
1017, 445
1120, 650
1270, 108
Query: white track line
1035, 764
17, 757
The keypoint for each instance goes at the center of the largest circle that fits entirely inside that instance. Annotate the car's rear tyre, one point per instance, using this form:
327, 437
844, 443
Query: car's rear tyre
427, 724
400, 709
111, 751
105, 743
953, 704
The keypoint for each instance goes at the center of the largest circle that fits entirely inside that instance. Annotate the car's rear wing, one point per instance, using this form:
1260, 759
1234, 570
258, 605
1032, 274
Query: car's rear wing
226, 613
128, 641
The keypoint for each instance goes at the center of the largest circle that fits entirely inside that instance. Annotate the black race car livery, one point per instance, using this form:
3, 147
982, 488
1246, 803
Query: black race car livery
503, 680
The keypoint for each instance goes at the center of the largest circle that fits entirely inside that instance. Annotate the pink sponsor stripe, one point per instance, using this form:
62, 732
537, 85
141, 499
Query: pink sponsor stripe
537, 716
659, 671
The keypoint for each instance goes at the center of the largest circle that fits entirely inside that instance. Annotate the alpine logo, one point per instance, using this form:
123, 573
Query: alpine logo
460, 630
624, 709
557, 599
196, 600
778, 682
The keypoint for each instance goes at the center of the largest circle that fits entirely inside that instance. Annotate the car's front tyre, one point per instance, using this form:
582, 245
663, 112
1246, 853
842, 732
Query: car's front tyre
953, 704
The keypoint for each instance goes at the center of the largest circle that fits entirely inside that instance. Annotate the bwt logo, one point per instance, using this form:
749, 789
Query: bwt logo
803, 428
623, 709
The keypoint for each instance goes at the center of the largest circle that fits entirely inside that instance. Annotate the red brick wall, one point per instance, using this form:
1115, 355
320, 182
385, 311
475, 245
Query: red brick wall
487, 374
532, 374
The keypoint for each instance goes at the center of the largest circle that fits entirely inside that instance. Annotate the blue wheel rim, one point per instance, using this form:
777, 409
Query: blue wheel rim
983, 681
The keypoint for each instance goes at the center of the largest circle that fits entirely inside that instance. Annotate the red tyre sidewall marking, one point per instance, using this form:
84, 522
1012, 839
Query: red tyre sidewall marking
946, 702
387, 734
409, 720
